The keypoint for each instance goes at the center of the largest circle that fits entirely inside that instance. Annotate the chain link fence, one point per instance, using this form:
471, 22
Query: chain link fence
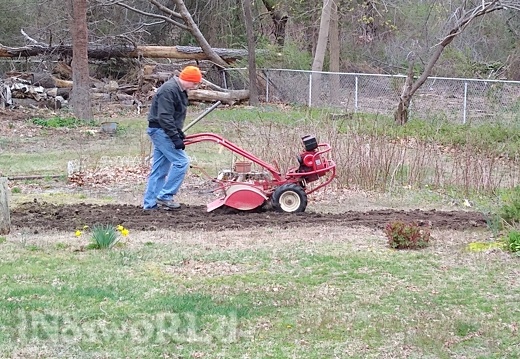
453, 99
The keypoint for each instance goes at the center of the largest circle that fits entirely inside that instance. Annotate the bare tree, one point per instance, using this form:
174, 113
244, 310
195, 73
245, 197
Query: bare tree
80, 96
279, 18
251, 47
334, 52
194, 30
321, 48
181, 19
461, 18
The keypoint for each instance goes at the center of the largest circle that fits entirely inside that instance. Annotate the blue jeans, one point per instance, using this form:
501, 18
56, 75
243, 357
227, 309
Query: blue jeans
169, 168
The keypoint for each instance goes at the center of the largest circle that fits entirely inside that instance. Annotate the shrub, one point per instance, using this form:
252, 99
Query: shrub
403, 235
510, 211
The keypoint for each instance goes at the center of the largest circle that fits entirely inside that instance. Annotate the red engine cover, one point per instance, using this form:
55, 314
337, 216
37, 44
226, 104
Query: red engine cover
312, 161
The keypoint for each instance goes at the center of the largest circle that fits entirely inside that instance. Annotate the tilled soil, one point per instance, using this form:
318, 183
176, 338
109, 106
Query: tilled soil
42, 216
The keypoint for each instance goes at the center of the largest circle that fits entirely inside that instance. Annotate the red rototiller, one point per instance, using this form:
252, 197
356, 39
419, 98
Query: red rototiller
244, 189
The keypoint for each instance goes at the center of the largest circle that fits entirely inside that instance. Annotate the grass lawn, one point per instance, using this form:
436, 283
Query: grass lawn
316, 292
267, 293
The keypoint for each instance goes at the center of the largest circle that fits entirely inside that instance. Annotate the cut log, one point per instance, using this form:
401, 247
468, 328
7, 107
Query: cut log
49, 81
40, 79
62, 70
229, 98
100, 96
107, 52
123, 97
158, 77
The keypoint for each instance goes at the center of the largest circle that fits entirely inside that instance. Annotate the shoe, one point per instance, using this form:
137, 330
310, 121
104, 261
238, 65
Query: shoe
154, 208
168, 204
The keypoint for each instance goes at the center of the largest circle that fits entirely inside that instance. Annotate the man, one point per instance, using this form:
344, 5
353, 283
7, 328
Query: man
165, 123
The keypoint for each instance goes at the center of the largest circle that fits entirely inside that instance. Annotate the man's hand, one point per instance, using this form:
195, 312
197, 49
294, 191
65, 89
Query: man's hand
178, 143
181, 134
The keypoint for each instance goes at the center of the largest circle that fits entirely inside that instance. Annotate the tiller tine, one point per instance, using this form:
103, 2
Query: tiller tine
241, 197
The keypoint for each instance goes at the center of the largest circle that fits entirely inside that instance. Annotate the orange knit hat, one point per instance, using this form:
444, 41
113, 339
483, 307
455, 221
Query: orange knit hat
191, 74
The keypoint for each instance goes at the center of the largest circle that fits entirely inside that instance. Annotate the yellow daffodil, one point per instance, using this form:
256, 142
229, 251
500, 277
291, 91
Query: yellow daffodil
120, 228
124, 232
77, 233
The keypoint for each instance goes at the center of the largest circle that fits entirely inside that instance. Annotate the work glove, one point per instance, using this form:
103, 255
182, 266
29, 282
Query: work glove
181, 134
178, 143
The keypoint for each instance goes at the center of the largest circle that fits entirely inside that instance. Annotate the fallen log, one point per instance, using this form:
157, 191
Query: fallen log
107, 52
49, 81
229, 97
41, 79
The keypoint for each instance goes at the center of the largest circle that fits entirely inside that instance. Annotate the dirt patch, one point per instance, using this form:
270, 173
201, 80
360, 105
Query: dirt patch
37, 216
14, 115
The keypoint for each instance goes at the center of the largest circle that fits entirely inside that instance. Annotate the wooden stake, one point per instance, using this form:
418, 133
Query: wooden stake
5, 220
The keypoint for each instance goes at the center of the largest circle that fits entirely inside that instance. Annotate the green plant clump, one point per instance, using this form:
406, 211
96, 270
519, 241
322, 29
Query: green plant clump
510, 211
513, 241
56, 122
403, 235
104, 236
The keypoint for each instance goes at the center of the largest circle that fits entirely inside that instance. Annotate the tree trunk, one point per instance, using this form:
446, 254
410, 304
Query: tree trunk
321, 48
5, 220
279, 18
401, 114
251, 46
334, 51
80, 96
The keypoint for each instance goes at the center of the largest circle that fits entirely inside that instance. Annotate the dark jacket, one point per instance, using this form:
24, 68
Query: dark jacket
168, 108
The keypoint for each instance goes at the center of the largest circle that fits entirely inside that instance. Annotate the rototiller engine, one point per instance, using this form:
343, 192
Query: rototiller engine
246, 189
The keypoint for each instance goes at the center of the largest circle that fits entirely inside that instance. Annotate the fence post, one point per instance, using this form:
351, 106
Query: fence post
356, 96
310, 89
5, 220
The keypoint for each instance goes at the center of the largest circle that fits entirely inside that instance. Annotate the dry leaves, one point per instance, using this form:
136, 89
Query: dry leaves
110, 175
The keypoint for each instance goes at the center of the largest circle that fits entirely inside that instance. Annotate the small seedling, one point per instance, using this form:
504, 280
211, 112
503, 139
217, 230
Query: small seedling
62, 246
32, 248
